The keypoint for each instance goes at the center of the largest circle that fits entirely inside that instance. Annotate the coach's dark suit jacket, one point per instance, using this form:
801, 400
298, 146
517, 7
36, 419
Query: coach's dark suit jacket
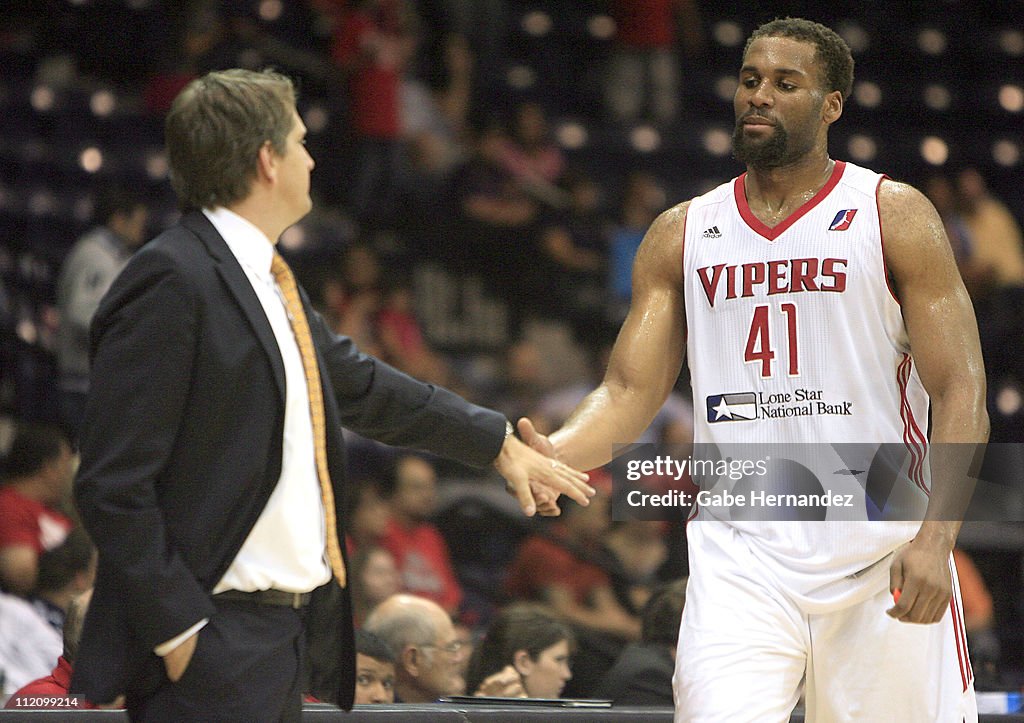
181, 446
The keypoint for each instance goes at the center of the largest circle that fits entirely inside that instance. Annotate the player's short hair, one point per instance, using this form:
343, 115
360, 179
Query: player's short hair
215, 129
832, 51
372, 646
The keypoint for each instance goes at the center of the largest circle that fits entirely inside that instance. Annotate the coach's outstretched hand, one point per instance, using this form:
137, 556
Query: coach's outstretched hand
536, 479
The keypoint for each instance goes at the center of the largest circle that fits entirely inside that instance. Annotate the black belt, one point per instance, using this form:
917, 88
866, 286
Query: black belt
296, 600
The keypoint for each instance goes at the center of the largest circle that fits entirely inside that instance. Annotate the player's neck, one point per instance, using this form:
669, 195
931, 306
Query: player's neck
774, 193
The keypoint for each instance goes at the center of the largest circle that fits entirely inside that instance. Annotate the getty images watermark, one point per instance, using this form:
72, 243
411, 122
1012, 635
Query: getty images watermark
813, 482
665, 467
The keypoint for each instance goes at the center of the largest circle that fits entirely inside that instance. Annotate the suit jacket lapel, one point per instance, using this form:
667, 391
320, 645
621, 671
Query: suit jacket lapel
240, 287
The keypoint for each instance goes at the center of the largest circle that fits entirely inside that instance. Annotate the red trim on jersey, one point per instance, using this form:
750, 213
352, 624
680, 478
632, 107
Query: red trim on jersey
682, 275
915, 442
881, 241
959, 629
771, 233
902, 375
961, 654
956, 605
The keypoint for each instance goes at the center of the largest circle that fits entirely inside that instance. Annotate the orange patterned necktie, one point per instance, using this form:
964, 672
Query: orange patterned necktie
300, 327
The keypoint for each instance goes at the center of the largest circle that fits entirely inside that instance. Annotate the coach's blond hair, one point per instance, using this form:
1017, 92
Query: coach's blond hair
215, 129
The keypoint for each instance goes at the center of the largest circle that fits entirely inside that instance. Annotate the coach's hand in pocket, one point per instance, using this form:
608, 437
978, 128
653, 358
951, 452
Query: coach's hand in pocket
176, 662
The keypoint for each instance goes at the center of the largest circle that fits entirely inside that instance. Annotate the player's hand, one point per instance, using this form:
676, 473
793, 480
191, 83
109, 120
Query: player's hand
920, 572
506, 683
540, 442
176, 662
536, 480
547, 499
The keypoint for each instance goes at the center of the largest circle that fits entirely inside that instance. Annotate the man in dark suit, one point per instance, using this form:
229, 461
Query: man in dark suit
212, 456
642, 674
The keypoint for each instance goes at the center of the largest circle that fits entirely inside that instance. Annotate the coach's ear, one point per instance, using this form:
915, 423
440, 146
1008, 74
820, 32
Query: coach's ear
832, 107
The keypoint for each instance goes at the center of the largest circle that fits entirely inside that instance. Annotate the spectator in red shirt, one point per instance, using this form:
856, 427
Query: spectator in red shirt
561, 569
642, 81
417, 545
367, 515
38, 469
372, 46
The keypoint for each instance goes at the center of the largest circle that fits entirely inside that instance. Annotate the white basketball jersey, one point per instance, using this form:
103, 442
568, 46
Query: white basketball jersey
795, 338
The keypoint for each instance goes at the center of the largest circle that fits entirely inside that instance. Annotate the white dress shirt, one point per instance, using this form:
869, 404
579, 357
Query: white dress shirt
286, 548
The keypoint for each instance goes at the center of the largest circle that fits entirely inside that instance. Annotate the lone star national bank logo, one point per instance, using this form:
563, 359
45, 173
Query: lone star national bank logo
741, 407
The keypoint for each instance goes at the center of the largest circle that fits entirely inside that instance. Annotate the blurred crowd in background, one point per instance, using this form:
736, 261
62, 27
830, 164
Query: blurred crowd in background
486, 170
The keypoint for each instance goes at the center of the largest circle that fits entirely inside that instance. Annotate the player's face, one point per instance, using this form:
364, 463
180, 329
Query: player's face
778, 103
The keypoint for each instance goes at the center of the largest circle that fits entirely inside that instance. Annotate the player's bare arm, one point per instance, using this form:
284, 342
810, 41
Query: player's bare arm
944, 342
645, 360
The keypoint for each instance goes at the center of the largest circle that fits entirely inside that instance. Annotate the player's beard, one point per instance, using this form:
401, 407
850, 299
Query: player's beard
770, 152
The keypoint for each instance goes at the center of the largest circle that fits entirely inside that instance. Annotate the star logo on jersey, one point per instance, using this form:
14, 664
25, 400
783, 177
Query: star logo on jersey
740, 407
843, 220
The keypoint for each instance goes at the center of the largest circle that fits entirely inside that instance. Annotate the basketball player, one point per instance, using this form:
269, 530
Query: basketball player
778, 283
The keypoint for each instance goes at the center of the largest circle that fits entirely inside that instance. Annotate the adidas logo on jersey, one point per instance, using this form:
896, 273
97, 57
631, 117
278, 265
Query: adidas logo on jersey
712, 232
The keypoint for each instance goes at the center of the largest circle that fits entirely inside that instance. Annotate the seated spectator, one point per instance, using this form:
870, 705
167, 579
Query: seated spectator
433, 120
39, 468
565, 569
367, 515
57, 682
642, 675
375, 578
31, 636
532, 158
418, 548
574, 248
997, 284
525, 653
428, 655
65, 572
997, 236
562, 570
495, 225
635, 551
643, 200
375, 670
401, 337
352, 297
89, 269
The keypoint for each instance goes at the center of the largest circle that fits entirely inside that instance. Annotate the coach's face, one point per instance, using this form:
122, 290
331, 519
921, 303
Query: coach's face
782, 109
295, 167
